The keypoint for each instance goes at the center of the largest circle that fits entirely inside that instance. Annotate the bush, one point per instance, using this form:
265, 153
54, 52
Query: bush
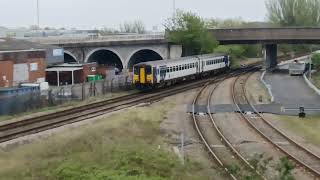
316, 60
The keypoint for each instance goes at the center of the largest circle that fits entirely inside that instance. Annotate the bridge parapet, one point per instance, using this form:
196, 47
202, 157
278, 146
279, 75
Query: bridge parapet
290, 35
110, 38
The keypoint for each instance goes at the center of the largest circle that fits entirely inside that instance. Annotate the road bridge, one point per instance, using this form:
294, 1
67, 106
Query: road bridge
269, 38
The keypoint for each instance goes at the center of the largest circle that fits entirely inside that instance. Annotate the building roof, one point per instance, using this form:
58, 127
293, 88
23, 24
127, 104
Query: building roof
63, 69
13, 45
178, 60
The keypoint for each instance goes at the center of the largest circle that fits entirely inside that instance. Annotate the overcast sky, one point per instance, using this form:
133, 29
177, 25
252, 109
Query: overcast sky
86, 14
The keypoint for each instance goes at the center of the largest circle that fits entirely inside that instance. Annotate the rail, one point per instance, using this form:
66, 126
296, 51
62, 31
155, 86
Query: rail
268, 131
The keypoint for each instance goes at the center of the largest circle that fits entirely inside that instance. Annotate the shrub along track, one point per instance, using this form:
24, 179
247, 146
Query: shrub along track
219, 148
14, 130
275, 136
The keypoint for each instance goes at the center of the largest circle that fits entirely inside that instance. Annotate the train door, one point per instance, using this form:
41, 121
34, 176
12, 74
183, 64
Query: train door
155, 75
142, 75
163, 73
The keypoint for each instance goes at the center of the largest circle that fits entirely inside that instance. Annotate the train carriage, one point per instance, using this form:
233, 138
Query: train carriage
166, 72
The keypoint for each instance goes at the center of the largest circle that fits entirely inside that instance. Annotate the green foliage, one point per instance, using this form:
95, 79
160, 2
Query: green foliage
285, 168
260, 163
191, 32
294, 12
316, 60
234, 169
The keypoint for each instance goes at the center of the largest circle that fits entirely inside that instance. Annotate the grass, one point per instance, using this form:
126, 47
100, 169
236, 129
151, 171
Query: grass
126, 145
308, 128
67, 105
316, 79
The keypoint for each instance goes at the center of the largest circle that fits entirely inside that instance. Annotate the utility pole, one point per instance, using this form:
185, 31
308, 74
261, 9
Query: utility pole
38, 15
174, 8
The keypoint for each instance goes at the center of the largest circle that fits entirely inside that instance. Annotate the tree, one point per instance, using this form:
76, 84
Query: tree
108, 31
294, 12
133, 27
191, 32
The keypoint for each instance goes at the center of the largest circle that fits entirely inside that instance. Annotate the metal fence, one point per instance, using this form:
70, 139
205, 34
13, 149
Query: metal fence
60, 95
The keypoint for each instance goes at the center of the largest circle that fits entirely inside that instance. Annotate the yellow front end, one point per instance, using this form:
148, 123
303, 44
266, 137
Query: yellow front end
143, 76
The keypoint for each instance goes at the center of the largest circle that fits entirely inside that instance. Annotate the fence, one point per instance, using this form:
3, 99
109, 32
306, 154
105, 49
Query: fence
60, 95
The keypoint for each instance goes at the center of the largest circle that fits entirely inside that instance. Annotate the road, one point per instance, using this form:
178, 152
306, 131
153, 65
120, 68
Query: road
291, 90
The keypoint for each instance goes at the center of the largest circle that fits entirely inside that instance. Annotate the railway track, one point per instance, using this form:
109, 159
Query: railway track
13, 130
218, 146
301, 155
25, 127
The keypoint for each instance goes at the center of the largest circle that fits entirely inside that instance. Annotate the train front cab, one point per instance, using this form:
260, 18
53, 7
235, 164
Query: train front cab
143, 76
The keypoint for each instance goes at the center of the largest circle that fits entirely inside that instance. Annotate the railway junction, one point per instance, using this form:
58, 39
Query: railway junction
228, 120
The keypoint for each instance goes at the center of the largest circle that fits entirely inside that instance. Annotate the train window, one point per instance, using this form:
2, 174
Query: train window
188, 66
148, 70
168, 70
180, 67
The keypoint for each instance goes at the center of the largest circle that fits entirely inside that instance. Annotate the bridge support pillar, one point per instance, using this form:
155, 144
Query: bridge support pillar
271, 56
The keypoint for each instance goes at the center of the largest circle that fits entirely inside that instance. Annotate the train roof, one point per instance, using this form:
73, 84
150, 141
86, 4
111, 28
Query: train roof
165, 61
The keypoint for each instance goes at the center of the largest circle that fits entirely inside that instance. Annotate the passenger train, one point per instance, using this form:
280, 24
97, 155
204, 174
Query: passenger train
153, 74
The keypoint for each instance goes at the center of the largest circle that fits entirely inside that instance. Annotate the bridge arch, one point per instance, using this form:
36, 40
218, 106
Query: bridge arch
69, 57
105, 56
143, 55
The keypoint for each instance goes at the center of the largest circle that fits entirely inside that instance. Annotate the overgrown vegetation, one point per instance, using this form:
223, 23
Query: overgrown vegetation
122, 146
190, 30
285, 168
316, 61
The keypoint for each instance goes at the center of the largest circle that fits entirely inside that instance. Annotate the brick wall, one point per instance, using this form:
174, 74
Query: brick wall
34, 75
6, 73
36, 70
89, 69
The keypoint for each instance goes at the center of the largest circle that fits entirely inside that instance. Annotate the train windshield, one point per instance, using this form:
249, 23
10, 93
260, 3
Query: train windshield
136, 70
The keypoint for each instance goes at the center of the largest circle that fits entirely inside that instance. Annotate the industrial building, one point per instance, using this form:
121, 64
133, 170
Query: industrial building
25, 62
